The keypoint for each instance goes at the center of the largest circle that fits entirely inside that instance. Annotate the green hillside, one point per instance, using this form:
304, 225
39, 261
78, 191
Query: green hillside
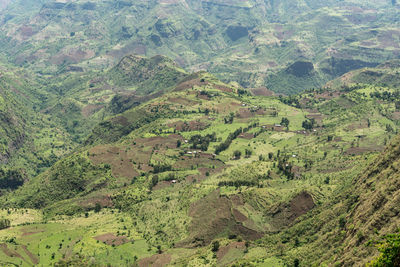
208, 174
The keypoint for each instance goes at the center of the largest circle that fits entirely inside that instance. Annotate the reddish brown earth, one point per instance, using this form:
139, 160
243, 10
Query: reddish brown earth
103, 200
158, 260
245, 113
189, 126
32, 233
285, 214
362, 150
211, 216
301, 204
262, 91
91, 109
9, 252
111, 239
33, 258
246, 136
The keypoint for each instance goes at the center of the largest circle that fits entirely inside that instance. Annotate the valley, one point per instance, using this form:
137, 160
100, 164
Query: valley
199, 133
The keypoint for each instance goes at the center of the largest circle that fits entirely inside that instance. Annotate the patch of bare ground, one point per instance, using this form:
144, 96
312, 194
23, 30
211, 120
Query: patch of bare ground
31, 233
10, 253
223, 88
246, 136
33, 258
111, 239
189, 126
362, 150
285, 214
190, 84
158, 260
211, 216
104, 200
119, 160
90, 110
262, 91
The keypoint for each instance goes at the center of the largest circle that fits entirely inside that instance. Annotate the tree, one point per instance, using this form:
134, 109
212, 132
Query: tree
154, 181
97, 207
237, 154
215, 246
4, 223
248, 153
389, 128
285, 122
308, 124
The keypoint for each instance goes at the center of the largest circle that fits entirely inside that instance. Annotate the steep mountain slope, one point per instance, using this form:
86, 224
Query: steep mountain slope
28, 146
165, 175
254, 42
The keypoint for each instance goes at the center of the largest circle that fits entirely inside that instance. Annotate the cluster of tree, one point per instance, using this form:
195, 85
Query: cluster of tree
225, 145
285, 167
285, 122
208, 94
387, 96
4, 223
229, 119
308, 124
290, 100
161, 168
202, 142
10, 179
241, 92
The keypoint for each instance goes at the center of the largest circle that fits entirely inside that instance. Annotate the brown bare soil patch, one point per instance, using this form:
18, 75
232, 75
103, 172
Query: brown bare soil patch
26, 32
262, 91
223, 88
245, 113
189, 126
246, 136
240, 217
362, 150
301, 204
358, 125
190, 84
396, 115
103, 200
187, 162
285, 214
120, 120
182, 101
111, 239
158, 260
161, 185
91, 109
73, 56
318, 117
212, 216
9, 252
119, 160
272, 127
33, 258
32, 233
